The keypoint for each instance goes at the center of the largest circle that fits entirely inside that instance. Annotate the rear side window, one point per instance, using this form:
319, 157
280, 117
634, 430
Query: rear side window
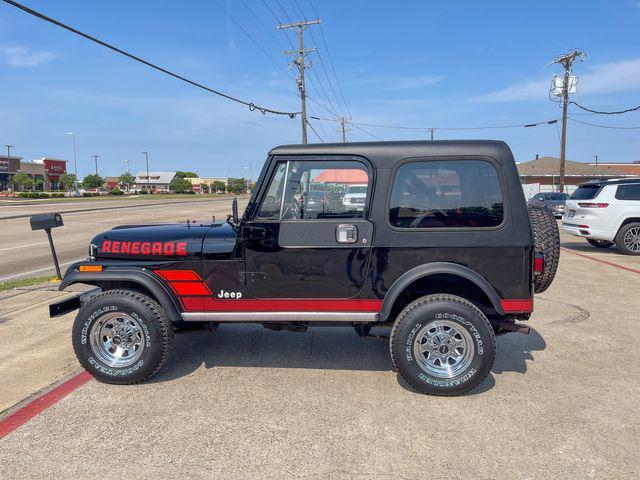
586, 192
628, 192
446, 194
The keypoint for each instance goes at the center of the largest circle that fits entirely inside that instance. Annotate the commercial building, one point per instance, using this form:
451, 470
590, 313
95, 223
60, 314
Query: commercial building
543, 173
53, 168
632, 168
209, 181
155, 182
8, 168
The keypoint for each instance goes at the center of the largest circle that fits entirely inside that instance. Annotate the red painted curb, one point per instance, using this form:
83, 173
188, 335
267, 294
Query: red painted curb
622, 267
36, 406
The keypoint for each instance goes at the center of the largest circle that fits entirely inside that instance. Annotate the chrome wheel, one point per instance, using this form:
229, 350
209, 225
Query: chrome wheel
631, 239
117, 339
443, 349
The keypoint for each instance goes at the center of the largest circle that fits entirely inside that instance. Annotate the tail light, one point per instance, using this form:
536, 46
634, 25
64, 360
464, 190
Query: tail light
592, 205
538, 263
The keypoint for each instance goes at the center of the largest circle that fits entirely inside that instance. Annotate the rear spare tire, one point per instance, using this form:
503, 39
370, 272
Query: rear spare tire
546, 237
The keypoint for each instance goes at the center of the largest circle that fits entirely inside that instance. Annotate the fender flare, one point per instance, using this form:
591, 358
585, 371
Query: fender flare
142, 277
433, 269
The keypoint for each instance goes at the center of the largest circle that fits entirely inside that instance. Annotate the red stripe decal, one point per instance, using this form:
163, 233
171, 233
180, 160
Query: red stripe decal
178, 274
285, 305
190, 288
513, 305
622, 267
33, 408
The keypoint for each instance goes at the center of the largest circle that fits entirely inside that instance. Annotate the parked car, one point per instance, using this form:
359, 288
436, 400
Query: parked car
553, 201
444, 251
355, 197
313, 202
606, 213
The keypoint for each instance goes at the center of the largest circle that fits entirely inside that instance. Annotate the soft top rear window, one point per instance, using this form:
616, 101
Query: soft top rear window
586, 192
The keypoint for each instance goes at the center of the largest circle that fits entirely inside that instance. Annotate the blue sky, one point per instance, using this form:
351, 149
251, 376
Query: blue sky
417, 63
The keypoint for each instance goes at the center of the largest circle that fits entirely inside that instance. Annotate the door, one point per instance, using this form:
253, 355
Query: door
305, 239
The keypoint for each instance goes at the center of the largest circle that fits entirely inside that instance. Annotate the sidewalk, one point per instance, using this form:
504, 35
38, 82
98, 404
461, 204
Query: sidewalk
34, 349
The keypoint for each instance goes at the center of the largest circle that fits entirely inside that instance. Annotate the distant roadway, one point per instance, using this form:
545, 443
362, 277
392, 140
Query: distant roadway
25, 253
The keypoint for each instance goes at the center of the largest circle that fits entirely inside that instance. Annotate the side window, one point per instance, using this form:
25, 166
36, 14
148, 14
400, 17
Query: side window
325, 189
446, 194
628, 192
270, 208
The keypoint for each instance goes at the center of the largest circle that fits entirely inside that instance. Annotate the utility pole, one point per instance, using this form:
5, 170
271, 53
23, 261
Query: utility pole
344, 128
566, 61
9, 147
75, 160
95, 159
431, 130
300, 63
128, 162
146, 156
596, 157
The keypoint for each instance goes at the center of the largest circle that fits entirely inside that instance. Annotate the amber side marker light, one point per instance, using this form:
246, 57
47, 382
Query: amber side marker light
91, 268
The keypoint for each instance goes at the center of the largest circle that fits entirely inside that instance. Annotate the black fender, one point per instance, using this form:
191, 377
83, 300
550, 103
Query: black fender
140, 276
432, 269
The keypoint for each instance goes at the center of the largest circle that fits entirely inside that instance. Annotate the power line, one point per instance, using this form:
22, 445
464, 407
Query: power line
364, 131
252, 106
405, 127
598, 112
314, 131
333, 68
611, 127
269, 32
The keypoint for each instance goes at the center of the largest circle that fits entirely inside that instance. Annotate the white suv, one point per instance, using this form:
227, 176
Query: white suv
606, 212
355, 197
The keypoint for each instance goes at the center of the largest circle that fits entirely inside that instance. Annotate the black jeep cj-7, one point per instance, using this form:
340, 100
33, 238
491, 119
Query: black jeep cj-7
438, 244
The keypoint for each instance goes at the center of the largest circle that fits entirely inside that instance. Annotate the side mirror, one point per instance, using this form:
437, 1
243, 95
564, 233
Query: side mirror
234, 210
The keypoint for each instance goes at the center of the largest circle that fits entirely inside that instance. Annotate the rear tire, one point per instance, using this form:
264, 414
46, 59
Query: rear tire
628, 239
442, 345
546, 237
599, 243
122, 337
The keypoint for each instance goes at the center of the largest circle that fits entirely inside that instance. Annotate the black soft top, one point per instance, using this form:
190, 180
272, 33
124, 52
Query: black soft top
387, 154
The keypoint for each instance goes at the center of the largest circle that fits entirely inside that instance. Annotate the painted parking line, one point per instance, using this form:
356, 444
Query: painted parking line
629, 269
38, 405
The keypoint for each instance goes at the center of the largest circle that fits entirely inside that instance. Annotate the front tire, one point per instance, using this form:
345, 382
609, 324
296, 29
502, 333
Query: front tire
442, 345
122, 337
628, 239
599, 243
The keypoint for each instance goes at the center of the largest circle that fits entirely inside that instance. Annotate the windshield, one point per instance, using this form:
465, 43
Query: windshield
358, 189
557, 197
316, 194
586, 192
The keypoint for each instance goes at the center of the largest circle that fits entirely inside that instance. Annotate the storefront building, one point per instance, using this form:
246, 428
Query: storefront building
53, 168
8, 168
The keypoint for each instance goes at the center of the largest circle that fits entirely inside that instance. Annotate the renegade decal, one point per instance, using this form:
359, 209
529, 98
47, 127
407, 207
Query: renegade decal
144, 248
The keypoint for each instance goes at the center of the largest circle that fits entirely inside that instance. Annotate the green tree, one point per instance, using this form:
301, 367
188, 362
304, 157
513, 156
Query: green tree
68, 180
180, 185
29, 183
39, 184
237, 185
218, 186
127, 180
204, 188
180, 174
92, 181
20, 180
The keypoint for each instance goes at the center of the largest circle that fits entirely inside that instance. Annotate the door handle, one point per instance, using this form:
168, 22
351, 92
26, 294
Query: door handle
346, 234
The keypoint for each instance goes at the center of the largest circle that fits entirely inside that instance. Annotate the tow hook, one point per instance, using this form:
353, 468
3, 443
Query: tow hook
511, 326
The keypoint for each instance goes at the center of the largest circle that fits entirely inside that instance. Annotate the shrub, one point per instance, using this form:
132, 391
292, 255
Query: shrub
116, 191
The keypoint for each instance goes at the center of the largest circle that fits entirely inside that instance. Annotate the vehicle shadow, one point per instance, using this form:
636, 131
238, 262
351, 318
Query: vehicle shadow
331, 348
588, 248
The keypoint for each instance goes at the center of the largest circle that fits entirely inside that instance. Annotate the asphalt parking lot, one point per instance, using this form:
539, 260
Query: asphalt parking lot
561, 402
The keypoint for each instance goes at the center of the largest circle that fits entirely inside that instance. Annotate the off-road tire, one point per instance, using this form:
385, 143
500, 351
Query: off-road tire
620, 238
546, 237
429, 310
599, 243
148, 314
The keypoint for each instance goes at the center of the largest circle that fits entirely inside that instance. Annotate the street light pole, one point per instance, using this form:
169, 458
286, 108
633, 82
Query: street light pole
128, 162
95, 159
146, 156
9, 147
75, 161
